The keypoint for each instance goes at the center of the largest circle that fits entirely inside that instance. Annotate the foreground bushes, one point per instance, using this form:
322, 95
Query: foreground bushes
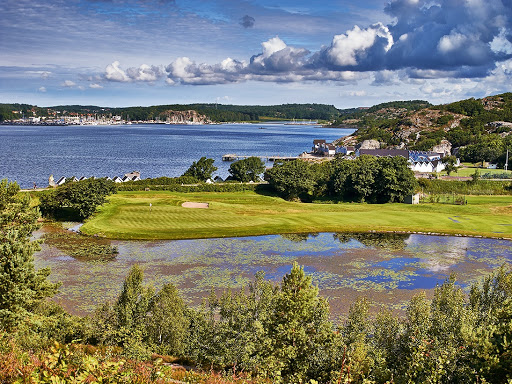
283, 332
280, 334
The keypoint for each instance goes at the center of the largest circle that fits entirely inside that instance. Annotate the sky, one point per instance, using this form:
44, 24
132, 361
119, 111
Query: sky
348, 53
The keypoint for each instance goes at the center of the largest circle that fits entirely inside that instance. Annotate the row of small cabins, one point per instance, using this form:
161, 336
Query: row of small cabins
132, 176
419, 161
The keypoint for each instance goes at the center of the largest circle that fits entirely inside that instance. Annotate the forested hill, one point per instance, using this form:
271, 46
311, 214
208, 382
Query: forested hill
475, 129
213, 112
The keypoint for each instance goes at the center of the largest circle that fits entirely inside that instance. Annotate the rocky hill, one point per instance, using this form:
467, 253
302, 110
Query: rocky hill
475, 129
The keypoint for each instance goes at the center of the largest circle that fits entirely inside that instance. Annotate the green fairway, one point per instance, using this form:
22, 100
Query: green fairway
128, 216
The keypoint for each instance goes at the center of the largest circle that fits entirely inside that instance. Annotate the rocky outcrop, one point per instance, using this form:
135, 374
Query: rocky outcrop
370, 144
184, 117
445, 147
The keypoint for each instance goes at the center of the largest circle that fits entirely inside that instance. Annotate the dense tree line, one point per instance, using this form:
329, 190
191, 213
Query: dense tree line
217, 112
365, 179
221, 112
214, 112
7, 111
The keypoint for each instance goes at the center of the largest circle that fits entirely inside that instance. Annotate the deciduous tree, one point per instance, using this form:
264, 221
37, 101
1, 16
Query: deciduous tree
201, 170
246, 170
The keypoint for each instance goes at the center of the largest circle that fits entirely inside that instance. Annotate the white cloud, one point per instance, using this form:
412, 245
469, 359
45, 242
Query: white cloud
114, 73
42, 89
95, 86
345, 48
68, 84
452, 42
359, 93
180, 68
146, 73
500, 43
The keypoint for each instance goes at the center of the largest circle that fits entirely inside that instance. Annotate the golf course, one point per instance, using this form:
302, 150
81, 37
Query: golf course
165, 215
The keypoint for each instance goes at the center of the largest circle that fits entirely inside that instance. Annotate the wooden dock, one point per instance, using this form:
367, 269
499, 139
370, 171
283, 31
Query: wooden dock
233, 157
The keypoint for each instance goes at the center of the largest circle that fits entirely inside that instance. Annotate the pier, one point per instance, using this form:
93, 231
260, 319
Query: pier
233, 157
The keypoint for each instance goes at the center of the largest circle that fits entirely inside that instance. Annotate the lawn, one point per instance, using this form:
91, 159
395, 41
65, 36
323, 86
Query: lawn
128, 216
468, 171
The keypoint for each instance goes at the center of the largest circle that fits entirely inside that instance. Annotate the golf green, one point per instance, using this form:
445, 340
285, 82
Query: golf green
160, 215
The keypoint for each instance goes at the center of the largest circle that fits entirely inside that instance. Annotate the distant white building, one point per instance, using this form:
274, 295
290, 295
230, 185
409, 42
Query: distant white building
132, 176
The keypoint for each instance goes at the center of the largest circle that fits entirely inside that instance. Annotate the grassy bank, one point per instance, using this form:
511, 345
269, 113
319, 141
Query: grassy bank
128, 216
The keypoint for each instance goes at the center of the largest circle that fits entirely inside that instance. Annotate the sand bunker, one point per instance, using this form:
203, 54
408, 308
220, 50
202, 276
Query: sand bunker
189, 204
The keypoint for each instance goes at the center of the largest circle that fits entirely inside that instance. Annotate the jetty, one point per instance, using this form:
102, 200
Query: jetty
233, 157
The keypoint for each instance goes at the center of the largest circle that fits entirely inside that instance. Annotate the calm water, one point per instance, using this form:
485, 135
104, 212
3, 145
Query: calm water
389, 269
30, 154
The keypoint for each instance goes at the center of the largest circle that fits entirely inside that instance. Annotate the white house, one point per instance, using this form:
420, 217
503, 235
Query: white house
427, 166
61, 181
133, 176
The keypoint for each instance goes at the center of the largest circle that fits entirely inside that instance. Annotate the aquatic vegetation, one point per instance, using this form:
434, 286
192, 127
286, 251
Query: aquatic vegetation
364, 264
81, 247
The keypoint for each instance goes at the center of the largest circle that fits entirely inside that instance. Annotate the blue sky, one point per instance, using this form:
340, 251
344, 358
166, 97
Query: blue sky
343, 52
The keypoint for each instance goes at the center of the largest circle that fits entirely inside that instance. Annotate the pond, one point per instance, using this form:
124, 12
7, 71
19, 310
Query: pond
387, 268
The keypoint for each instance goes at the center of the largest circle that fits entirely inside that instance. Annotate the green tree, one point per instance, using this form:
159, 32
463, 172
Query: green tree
22, 288
292, 179
233, 329
300, 329
394, 180
246, 170
132, 304
201, 170
82, 197
168, 321
491, 350
450, 164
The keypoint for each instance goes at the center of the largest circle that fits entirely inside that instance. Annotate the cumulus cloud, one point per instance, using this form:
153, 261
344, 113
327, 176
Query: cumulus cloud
247, 21
42, 89
355, 46
448, 37
114, 73
277, 62
425, 40
502, 42
68, 84
145, 73
95, 86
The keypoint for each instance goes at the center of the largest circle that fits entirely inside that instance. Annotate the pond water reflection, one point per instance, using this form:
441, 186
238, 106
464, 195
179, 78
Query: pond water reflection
389, 269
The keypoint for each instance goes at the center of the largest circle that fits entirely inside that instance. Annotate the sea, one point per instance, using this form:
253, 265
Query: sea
30, 154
